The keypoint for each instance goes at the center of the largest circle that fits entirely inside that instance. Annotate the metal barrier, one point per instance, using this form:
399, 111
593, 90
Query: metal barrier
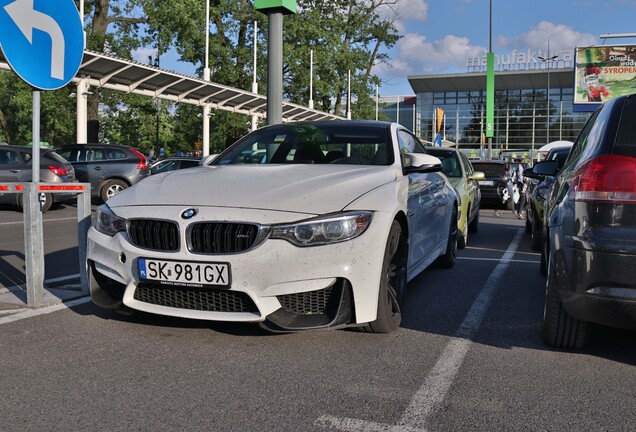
33, 238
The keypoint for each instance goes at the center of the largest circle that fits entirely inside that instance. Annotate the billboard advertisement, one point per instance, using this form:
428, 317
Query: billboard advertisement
604, 72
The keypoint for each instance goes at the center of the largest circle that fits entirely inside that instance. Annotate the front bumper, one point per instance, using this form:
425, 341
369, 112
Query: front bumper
272, 279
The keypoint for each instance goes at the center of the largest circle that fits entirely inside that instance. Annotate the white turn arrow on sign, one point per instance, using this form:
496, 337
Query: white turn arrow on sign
27, 19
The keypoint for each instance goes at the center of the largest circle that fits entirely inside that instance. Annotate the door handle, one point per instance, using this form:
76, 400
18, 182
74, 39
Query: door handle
13, 170
98, 168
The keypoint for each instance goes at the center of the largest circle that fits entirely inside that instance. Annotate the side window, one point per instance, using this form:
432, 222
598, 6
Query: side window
26, 156
626, 140
8, 157
116, 154
96, 154
66, 154
468, 167
190, 163
409, 143
581, 143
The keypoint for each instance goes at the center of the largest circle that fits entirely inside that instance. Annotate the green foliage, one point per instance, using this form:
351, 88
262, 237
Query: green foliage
57, 113
345, 35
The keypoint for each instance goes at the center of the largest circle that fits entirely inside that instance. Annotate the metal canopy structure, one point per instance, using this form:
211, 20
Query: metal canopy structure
103, 71
503, 80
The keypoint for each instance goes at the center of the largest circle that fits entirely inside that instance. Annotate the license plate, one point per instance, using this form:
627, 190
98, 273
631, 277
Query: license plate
184, 273
486, 183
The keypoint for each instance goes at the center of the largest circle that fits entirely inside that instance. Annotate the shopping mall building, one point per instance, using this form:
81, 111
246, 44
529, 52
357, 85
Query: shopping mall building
527, 116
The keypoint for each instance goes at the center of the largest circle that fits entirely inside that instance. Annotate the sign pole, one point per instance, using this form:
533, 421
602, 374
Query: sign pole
275, 10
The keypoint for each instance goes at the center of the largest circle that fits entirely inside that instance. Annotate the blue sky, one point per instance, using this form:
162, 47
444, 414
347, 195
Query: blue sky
438, 36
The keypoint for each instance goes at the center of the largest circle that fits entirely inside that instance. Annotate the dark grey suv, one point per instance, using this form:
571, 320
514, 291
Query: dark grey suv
109, 168
16, 166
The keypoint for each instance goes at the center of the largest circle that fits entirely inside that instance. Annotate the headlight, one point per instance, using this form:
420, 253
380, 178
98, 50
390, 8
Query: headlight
325, 230
106, 222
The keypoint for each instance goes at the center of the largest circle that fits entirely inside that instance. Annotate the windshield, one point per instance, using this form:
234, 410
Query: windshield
315, 143
490, 169
450, 161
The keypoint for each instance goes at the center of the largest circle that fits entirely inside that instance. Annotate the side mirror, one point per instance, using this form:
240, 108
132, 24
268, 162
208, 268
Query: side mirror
546, 168
477, 175
529, 173
421, 163
207, 159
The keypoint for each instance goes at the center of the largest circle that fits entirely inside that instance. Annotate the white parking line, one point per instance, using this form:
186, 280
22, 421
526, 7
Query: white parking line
43, 220
22, 287
431, 394
43, 311
498, 259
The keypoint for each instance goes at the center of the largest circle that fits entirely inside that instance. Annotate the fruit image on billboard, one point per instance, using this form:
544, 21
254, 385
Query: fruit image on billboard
604, 72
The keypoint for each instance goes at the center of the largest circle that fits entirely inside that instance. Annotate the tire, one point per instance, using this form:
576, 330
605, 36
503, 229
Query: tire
536, 237
392, 284
462, 240
46, 202
448, 259
473, 226
559, 328
528, 224
543, 266
111, 188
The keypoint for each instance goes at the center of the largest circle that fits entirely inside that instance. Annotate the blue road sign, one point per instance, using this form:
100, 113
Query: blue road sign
43, 40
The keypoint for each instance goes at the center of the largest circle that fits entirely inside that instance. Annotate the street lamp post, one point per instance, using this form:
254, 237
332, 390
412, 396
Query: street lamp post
547, 60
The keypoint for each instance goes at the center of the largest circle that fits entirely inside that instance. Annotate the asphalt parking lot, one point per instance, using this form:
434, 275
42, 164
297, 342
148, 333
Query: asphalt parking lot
468, 356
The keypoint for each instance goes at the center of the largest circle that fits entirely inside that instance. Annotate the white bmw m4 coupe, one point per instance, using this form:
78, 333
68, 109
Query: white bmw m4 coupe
296, 226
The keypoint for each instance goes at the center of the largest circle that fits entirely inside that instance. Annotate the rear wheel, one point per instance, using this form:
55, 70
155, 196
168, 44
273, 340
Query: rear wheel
112, 188
392, 284
46, 201
559, 328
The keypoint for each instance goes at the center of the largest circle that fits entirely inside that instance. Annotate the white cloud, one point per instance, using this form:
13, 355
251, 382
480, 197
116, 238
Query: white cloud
141, 55
561, 37
416, 55
402, 11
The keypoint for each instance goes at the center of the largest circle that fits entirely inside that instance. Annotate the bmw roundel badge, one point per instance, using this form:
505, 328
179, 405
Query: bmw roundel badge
189, 213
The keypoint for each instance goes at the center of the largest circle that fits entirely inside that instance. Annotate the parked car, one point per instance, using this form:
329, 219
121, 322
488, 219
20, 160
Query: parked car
464, 179
109, 168
16, 166
494, 183
536, 192
173, 163
324, 239
589, 245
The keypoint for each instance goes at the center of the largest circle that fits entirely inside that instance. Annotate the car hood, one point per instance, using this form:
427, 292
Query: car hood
314, 189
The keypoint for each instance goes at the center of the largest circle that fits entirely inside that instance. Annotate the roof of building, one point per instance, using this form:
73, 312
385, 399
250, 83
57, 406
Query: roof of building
504, 80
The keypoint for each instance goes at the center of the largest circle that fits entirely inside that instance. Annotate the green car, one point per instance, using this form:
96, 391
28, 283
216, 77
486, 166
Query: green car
464, 179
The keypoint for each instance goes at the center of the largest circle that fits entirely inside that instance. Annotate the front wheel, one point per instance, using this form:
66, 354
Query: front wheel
448, 259
537, 238
462, 240
392, 284
473, 226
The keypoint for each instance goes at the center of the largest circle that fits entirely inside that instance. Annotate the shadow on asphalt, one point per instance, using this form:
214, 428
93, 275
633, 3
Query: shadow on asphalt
438, 300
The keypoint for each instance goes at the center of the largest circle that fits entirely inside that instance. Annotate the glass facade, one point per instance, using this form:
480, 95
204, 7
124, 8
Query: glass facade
399, 109
525, 118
